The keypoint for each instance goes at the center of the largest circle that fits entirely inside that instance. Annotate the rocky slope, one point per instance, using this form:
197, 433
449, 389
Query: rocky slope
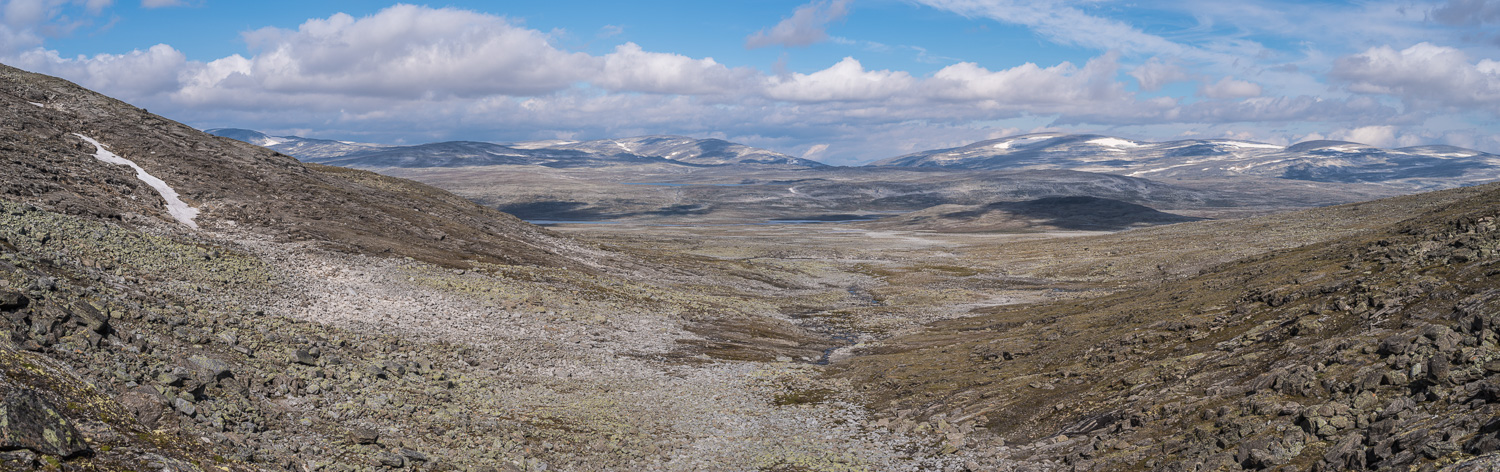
1413, 168
1373, 351
235, 185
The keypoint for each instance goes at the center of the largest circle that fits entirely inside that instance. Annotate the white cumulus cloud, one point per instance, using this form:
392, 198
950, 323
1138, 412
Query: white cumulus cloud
846, 80
1375, 135
1423, 76
1029, 84
1228, 87
1156, 73
24, 24
807, 26
629, 68
136, 74
413, 51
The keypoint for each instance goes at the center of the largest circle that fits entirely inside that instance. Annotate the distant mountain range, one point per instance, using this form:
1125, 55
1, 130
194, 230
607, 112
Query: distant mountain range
1420, 167
1410, 168
679, 150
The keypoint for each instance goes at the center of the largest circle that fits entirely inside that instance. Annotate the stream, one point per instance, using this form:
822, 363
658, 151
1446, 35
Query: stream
841, 338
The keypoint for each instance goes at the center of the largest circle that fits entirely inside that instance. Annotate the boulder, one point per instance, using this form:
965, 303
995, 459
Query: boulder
210, 369
91, 317
304, 357
390, 460
12, 300
412, 455
145, 404
30, 422
1347, 454
184, 406
363, 435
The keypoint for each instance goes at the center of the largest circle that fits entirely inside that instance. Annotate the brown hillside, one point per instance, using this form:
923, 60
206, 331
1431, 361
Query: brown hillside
240, 186
1372, 351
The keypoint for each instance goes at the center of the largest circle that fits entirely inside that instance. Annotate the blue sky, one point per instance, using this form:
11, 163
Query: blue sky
842, 81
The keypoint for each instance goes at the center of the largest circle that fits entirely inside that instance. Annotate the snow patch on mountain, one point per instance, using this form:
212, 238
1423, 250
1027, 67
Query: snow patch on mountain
1345, 149
1020, 140
1114, 142
1250, 145
175, 206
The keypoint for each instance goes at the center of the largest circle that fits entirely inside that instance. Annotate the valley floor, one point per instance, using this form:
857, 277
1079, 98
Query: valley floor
710, 357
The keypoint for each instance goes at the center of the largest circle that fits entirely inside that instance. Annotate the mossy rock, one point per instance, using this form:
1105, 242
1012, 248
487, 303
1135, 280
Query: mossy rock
27, 421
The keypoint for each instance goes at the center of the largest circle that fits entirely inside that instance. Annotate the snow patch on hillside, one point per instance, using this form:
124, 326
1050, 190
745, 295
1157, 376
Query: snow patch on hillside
1347, 148
1247, 144
1114, 142
1007, 143
175, 206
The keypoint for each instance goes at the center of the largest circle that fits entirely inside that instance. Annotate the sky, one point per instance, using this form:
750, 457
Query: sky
839, 81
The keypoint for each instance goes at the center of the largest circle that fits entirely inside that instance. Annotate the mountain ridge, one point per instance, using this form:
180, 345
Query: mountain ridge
1414, 167
651, 149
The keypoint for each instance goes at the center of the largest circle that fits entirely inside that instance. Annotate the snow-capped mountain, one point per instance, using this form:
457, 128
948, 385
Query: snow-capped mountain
552, 153
306, 149
1420, 167
686, 150
461, 154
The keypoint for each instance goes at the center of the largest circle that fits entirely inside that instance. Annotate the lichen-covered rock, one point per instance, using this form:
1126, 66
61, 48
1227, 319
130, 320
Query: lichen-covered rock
27, 421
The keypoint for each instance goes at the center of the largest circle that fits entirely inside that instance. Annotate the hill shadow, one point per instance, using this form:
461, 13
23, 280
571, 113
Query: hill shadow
1083, 213
581, 211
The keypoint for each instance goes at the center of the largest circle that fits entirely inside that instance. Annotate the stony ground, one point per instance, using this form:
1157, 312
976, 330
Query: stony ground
275, 355
153, 345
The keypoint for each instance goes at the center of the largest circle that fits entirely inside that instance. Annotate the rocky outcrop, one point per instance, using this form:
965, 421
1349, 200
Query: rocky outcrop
30, 422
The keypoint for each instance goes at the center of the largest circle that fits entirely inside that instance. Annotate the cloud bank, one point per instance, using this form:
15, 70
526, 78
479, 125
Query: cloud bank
415, 73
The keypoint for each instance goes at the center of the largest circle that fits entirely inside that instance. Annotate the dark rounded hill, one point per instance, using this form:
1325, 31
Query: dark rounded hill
1085, 212
1077, 213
